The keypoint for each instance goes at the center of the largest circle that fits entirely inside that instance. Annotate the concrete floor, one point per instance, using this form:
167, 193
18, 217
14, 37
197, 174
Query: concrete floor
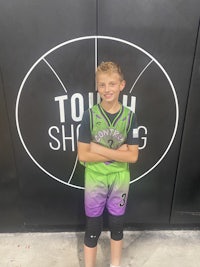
141, 249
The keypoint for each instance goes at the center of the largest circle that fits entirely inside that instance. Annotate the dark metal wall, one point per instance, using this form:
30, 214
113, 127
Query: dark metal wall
48, 53
186, 198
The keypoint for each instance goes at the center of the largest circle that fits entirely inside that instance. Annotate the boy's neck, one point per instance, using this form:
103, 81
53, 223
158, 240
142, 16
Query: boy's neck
111, 108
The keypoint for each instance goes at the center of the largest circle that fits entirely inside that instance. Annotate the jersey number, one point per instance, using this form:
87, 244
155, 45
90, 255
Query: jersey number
123, 200
110, 142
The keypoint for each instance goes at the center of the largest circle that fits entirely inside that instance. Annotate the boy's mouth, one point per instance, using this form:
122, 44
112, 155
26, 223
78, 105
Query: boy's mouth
108, 95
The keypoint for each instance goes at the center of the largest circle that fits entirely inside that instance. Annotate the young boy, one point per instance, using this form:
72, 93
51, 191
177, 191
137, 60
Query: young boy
108, 141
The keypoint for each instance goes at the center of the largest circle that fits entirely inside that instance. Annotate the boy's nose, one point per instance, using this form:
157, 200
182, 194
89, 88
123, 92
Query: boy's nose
106, 88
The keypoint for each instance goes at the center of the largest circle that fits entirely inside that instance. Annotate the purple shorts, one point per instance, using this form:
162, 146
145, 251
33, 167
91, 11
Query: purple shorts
110, 191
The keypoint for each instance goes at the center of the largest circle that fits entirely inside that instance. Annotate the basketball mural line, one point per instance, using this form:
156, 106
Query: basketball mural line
79, 98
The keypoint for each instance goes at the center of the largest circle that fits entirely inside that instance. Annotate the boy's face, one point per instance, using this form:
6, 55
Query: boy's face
109, 86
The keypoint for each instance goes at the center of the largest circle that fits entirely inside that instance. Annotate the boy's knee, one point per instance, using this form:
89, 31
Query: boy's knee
93, 231
116, 227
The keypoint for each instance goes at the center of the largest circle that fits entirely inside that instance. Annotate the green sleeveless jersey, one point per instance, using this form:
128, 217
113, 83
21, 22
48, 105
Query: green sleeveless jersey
111, 134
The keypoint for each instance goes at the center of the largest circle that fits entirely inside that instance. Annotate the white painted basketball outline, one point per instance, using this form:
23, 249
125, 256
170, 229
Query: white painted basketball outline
95, 38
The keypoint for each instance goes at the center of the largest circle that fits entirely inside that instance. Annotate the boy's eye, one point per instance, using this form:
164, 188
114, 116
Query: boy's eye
112, 84
102, 85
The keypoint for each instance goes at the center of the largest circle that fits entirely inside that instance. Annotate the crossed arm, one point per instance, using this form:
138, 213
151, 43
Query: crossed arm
93, 152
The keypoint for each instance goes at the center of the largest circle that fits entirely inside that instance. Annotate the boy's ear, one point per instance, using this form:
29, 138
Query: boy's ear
122, 85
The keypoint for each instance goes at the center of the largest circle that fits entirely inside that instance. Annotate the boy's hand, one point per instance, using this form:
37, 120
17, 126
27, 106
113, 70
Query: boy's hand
125, 153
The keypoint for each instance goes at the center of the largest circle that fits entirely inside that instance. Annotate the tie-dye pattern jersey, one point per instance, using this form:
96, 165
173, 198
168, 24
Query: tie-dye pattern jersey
111, 134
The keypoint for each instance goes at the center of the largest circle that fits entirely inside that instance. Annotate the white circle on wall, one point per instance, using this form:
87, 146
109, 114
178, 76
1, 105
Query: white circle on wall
43, 59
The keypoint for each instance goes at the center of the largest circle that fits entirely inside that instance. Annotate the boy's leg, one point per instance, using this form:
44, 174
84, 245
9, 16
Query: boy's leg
92, 233
116, 252
95, 199
116, 241
116, 206
90, 256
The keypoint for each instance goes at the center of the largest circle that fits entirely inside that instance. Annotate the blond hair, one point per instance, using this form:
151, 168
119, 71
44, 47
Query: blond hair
110, 67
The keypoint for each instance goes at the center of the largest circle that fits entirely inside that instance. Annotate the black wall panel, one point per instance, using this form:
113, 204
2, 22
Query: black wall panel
186, 205
48, 54
28, 31
7, 165
8, 178
167, 30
